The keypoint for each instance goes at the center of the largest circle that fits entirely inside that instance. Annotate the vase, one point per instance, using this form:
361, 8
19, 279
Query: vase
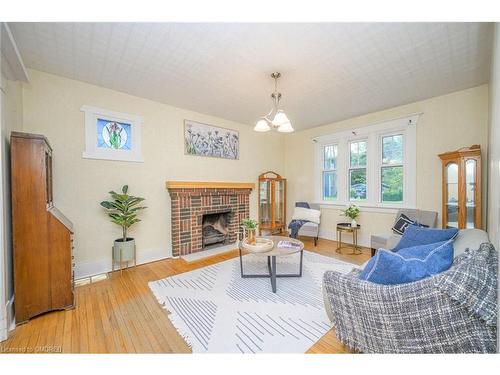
251, 236
124, 251
354, 223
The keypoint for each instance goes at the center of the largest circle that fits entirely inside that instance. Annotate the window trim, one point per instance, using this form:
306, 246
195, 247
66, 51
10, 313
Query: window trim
373, 134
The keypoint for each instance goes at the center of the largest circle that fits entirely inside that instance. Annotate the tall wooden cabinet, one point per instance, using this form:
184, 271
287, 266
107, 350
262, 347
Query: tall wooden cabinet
272, 203
462, 188
42, 235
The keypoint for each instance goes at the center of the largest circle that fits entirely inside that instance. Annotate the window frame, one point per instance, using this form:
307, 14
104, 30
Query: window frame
381, 164
323, 170
351, 168
373, 134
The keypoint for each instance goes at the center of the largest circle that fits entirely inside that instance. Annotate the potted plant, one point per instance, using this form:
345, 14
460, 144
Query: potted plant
250, 227
123, 210
352, 212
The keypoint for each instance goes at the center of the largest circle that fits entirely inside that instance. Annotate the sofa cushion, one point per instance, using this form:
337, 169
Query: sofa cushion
401, 224
309, 229
301, 213
409, 264
416, 235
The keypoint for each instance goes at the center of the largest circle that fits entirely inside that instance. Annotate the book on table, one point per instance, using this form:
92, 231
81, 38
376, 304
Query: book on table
288, 245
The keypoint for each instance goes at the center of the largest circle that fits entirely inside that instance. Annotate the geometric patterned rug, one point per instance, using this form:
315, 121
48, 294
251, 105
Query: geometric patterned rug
216, 311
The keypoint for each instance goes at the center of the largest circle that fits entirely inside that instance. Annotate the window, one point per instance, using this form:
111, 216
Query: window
112, 135
357, 171
330, 172
372, 166
391, 171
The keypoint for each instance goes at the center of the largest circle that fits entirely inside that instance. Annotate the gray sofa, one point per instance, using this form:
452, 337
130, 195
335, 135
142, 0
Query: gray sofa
390, 240
451, 312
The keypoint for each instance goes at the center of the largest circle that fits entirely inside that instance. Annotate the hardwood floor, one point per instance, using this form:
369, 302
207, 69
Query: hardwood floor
121, 315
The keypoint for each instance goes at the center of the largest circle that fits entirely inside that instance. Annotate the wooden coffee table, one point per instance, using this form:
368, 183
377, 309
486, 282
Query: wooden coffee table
271, 259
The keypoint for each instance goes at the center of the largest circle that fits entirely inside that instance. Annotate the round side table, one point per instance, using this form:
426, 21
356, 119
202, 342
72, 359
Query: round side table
347, 228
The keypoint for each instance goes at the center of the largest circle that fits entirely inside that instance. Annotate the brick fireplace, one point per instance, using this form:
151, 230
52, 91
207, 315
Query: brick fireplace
192, 201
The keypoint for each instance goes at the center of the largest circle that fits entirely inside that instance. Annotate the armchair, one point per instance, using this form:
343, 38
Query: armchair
451, 312
390, 240
309, 229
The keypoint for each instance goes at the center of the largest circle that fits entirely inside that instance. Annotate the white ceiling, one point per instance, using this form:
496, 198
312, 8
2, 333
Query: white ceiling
331, 71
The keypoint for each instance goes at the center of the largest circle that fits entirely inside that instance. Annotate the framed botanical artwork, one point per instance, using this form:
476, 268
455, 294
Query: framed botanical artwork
208, 140
112, 135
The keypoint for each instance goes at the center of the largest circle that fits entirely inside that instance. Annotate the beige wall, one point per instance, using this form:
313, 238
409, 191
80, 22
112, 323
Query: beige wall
494, 136
448, 122
52, 107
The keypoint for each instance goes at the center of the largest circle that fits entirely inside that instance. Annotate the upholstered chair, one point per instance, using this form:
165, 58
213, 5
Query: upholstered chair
390, 240
309, 229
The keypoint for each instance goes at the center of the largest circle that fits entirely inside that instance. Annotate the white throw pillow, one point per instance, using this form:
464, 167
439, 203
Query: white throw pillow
301, 213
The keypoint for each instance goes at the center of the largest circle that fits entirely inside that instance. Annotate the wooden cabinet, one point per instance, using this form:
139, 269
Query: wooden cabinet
42, 235
462, 188
272, 203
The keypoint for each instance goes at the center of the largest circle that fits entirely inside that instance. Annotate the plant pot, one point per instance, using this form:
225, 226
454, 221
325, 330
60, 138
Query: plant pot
251, 236
354, 224
126, 248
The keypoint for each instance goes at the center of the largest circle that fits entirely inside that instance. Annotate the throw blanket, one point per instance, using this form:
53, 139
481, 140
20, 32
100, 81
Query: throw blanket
473, 282
295, 225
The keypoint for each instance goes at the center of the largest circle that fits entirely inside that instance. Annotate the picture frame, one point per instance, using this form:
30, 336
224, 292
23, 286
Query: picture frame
210, 141
112, 135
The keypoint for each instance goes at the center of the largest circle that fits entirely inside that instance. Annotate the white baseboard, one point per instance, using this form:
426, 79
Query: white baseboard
8, 322
11, 315
97, 267
3, 330
363, 239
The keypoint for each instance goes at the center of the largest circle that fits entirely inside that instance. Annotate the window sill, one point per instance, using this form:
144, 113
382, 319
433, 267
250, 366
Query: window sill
363, 207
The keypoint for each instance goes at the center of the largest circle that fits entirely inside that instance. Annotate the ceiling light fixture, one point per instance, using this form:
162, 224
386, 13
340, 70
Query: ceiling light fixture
276, 118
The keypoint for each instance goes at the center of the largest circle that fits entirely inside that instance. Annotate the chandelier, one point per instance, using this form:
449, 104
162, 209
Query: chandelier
276, 118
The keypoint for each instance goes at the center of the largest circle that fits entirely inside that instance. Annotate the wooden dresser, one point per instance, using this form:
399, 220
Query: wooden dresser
42, 235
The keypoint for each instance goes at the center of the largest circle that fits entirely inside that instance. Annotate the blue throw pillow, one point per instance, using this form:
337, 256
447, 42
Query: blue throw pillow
409, 264
415, 235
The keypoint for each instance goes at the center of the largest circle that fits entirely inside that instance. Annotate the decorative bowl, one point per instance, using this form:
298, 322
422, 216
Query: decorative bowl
261, 245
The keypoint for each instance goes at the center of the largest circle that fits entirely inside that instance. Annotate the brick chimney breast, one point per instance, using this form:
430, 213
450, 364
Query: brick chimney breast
191, 200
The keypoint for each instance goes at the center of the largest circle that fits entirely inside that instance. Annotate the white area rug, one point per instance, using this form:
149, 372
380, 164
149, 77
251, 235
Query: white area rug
217, 311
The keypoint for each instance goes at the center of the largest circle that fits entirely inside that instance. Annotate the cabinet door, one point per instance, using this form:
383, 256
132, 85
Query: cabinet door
471, 193
279, 194
265, 202
452, 203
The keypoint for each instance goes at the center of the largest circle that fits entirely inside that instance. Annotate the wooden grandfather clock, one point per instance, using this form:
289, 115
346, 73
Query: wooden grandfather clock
461, 170
272, 203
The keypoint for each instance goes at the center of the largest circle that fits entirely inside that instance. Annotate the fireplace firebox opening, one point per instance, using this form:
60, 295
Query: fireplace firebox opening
215, 229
